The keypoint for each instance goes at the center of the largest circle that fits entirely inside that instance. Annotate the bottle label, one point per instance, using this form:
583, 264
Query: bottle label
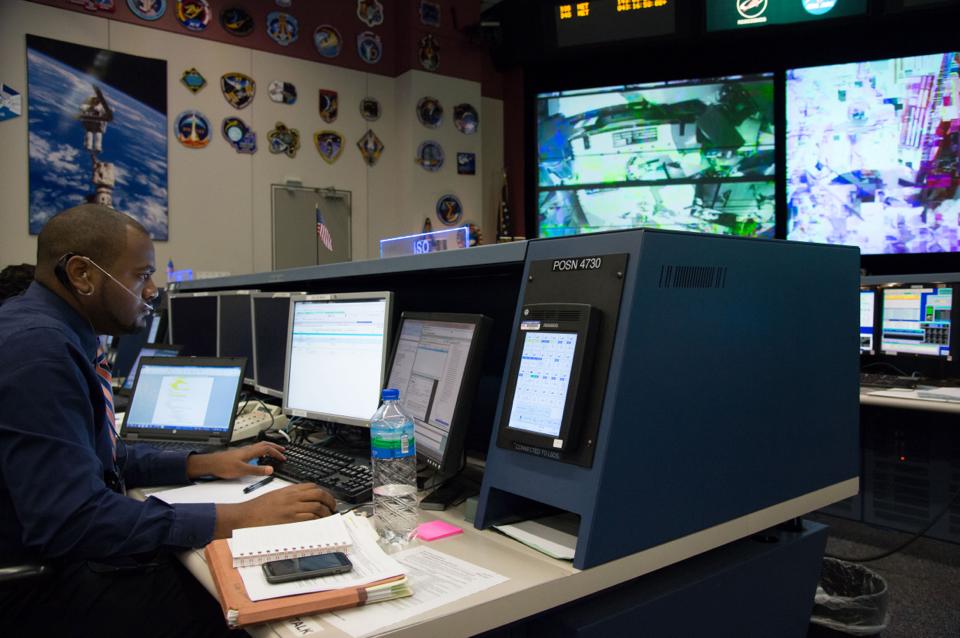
392, 447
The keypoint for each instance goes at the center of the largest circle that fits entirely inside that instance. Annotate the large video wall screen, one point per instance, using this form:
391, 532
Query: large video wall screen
692, 155
872, 154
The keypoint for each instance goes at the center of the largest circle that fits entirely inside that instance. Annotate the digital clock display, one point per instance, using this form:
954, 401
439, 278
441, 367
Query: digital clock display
613, 20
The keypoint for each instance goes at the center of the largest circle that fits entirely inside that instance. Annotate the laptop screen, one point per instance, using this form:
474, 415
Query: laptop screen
189, 397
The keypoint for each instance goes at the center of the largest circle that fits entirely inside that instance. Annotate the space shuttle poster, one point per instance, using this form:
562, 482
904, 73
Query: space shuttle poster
97, 123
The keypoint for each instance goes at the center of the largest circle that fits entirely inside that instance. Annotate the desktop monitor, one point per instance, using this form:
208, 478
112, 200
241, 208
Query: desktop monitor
149, 350
193, 323
872, 150
696, 155
868, 323
234, 328
336, 356
916, 321
271, 318
436, 366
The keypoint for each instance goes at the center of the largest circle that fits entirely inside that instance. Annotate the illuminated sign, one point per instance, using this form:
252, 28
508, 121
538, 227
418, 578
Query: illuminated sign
738, 14
424, 243
612, 20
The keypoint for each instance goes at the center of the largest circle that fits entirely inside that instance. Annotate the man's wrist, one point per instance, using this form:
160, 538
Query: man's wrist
200, 465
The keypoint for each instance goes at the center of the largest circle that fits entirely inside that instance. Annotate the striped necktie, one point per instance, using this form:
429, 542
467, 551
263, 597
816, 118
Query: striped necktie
105, 378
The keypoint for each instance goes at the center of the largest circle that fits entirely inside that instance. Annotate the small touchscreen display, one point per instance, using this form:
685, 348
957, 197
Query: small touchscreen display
543, 380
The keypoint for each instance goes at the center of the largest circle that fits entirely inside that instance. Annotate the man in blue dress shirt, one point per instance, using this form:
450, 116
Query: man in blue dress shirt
62, 473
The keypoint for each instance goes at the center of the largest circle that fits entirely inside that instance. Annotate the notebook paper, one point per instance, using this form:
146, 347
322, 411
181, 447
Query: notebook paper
258, 545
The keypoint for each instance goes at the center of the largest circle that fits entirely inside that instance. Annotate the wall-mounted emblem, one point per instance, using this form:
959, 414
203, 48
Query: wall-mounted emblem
369, 47
149, 10
430, 112
236, 21
192, 129
370, 12
238, 89
328, 41
466, 118
328, 105
430, 156
282, 28
193, 14
329, 144
370, 109
239, 135
370, 147
192, 79
428, 52
284, 140
282, 92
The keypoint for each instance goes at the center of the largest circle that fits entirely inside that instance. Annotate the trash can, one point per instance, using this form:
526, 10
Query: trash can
850, 599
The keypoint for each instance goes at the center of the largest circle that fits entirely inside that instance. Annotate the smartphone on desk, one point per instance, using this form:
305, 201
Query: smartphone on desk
284, 571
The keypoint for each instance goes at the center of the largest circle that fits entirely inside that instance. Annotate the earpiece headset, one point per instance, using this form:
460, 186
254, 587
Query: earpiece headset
60, 270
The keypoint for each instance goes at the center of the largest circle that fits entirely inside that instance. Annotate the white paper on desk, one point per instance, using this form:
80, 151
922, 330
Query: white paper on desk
555, 536
435, 578
895, 393
223, 491
939, 394
370, 563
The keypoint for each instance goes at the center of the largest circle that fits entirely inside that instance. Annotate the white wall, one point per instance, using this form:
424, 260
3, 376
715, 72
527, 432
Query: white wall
219, 201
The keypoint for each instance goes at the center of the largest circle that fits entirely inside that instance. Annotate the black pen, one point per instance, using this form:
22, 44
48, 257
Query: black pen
250, 488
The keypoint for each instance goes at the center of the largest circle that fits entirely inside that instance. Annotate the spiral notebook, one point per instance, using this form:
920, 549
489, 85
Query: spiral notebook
257, 545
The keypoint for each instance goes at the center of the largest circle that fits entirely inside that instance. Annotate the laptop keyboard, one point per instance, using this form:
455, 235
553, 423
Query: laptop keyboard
184, 446
338, 473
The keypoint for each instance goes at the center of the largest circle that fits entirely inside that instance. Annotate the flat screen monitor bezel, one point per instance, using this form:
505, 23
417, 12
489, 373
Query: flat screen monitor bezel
916, 356
131, 377
235, 293
876, 320
263, 389
875, 263
457, 435
379, 295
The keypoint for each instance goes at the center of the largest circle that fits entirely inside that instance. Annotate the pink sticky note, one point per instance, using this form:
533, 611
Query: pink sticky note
436, 529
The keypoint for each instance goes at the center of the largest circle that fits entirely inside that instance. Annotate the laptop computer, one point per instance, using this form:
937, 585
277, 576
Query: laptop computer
121, 396
184, 402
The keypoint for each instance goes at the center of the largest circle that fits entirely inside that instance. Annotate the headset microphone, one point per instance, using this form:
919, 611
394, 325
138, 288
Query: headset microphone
129, 292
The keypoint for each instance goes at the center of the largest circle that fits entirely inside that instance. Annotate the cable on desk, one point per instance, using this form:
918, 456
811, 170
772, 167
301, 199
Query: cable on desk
906, 543
884, 364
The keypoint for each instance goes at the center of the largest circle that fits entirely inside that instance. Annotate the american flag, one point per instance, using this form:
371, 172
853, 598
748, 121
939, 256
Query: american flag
322, 232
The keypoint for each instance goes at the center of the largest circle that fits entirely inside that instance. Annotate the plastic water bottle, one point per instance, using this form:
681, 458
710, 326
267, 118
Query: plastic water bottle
394, 458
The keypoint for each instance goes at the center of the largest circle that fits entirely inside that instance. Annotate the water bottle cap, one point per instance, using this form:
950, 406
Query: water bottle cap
390, 394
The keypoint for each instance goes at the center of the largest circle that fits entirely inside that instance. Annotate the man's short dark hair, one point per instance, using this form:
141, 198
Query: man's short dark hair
15, 279
91, 230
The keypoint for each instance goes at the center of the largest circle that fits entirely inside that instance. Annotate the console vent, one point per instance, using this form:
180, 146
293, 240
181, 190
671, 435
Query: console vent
693, 276
542, 314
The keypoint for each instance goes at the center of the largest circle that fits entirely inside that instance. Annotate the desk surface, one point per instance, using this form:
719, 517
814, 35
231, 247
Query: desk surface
906, 399
538, 583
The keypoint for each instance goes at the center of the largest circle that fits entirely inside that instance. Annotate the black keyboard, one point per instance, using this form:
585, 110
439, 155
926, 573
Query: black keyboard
336, 472
876, 380
184, 446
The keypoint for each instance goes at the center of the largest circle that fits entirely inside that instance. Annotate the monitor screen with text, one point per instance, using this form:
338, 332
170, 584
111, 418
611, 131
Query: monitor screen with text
336, 357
